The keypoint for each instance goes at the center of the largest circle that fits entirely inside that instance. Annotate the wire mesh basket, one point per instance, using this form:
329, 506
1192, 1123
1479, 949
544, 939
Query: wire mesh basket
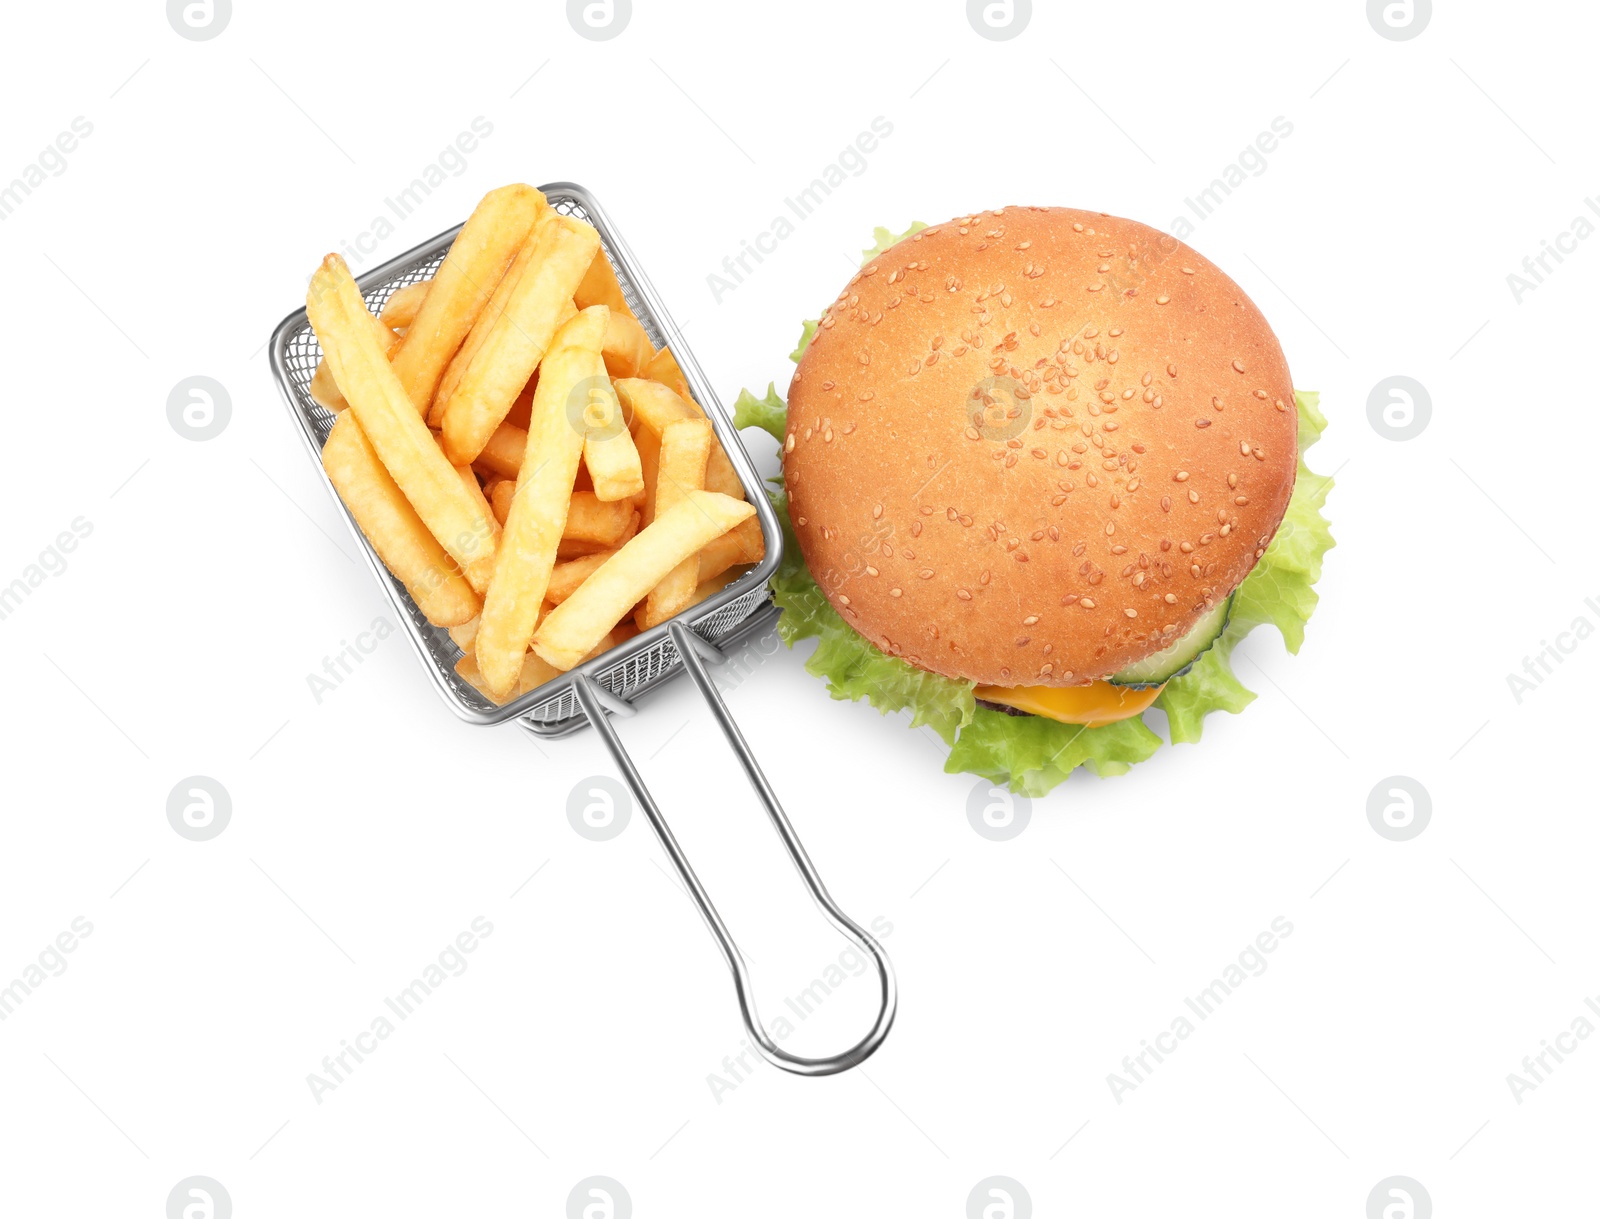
609, 684
639, 664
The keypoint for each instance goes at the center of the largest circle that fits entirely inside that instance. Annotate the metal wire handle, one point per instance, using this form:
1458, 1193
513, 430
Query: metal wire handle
695, 651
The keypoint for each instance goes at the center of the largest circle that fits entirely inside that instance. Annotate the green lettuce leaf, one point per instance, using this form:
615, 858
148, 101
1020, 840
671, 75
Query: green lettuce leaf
808, 331
768, 414
882, 239
1031, 754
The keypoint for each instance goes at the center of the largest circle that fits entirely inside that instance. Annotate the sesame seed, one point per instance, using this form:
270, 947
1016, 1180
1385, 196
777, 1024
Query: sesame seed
894, 592
925, 574
1181, 476
871, 571
1086, 603
843, 600
1238, 366
1244, 449
1131, 613
963, 594
1162, 300
1202, 423
1170, 599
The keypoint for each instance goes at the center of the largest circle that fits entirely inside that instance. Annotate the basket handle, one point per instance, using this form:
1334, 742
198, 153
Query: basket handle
695, 652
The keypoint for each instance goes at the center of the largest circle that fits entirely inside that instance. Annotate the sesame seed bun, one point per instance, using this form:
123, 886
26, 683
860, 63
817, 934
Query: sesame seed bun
1032, 446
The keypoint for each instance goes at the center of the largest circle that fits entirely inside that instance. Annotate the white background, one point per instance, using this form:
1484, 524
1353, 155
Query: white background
372, 827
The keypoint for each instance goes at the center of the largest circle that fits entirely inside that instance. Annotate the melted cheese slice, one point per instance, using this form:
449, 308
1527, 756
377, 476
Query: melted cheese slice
1095, 705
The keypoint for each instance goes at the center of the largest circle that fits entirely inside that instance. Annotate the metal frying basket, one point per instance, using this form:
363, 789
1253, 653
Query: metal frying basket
611, 683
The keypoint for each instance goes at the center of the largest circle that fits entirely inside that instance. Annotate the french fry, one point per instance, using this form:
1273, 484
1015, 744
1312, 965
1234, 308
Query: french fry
468, 351
400, 310
461, 287
591, 519
324, 390
538, 513
559, 253
566, 578
462, 636
608, 452
583, 619
658, 405
500, 497
628, 350
397, 433
393, 527
599, 286
663, 367
578, 548
522, 409
502, 456
479, 570
685, 445
707, 589
741, 544
535, 672
649, 445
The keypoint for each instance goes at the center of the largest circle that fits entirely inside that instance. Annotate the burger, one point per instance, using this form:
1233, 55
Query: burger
1041, 472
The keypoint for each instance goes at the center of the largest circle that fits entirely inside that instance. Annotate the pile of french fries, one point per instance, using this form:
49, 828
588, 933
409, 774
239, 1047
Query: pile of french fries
520, 456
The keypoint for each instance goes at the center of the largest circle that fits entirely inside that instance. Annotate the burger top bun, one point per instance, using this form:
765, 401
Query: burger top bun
1032, 446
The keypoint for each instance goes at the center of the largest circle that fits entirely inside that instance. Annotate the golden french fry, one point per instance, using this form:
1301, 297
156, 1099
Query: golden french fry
566, 578
599, 286
400, 310
677, 533
500, 497
710, 588
558, 253
651, 403
522, 409
480, 332
657, 405
393, 527
741, 544
324, 390
591, 519
578, 548
401, 440
663, 367
685, 445
538, 513
463, 635
534, 673
649, 445
502, 456
608, 452
461, 287
628, 350
479, 570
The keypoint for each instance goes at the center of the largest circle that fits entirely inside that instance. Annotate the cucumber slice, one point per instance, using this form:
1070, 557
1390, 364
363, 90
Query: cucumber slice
1174, 661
